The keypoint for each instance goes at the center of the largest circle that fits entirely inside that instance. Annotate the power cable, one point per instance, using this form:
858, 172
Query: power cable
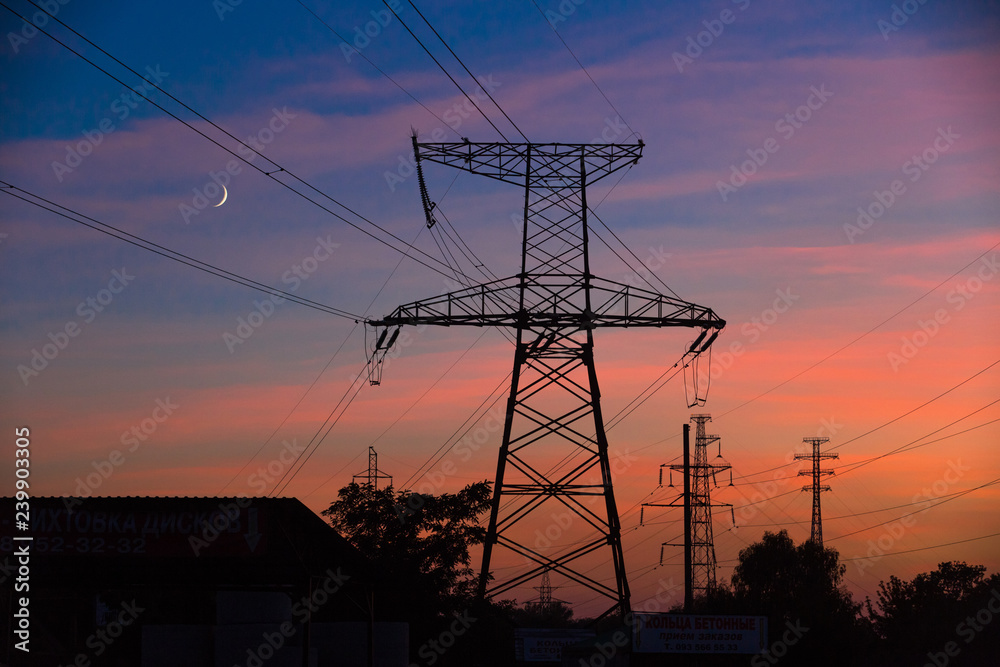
377, 68
877, 326
606, 98
269, 174
317, 439
936, 546
460, 62
163, 251
446, 73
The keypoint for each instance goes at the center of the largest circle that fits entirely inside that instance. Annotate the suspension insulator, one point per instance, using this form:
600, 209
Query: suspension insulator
395, 335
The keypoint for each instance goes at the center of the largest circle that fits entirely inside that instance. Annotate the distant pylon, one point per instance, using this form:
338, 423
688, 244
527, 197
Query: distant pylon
373, 474
699, 544
816, 534
545, 590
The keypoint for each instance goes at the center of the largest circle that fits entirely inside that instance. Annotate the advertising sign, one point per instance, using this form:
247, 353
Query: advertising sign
692, 633
545, 645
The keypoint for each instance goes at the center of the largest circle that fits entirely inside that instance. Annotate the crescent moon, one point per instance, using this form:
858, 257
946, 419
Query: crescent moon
225, 194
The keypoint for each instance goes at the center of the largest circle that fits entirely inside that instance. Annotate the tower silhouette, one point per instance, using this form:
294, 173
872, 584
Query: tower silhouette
554, 304
373, 474
816, 533
699, 540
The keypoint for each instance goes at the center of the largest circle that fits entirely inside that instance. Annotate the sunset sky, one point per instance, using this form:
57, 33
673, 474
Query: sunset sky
856, 261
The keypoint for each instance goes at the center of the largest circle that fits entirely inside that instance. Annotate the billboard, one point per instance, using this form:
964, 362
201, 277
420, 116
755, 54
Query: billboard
694, 633
545, 645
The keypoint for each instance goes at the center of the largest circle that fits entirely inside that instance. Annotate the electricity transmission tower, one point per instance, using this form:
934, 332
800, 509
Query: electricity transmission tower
554, 304
699, 477
373, 474
545, 591
816, 534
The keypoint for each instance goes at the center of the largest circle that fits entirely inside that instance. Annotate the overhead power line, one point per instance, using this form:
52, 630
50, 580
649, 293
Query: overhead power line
163, 251
236, 154
446, 72
883, 425
852, 342
377, 68
592, 80
936, 546
467, 71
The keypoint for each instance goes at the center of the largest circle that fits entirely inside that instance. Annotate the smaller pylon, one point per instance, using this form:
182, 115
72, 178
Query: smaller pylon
699, 476
545, 590
373, 474
816, 534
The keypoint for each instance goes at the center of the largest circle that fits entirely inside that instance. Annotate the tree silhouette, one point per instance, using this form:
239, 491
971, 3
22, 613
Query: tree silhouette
801, 587
916, 620
419, 543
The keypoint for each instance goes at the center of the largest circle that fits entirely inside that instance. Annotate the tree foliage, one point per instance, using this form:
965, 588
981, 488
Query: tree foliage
420, 542
801, 586
924, 614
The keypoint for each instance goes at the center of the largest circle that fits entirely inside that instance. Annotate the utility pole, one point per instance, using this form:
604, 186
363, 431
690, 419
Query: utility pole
373, 474
688, 542
816, 534
699, 541
553, 410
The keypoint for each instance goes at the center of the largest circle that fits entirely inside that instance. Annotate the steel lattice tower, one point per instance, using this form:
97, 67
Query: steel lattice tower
373, 474
816, 534
702, 538
699, 477
554, 304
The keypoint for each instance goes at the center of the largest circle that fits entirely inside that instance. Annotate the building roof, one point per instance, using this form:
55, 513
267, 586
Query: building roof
162, 542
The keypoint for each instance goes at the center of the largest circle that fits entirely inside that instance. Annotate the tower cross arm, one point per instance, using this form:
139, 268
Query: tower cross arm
552, 301
553, 165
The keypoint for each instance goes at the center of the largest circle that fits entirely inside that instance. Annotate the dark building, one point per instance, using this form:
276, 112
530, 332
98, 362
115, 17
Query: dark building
202, 582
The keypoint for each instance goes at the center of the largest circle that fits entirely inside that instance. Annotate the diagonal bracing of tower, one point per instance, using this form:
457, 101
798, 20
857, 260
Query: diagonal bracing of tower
554, 409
